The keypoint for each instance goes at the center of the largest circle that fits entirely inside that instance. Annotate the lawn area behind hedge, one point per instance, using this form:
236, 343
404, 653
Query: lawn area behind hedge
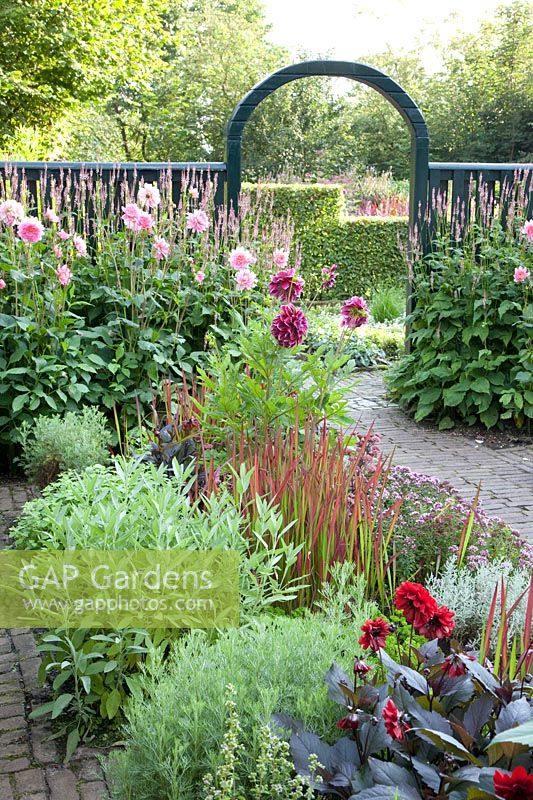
368, 250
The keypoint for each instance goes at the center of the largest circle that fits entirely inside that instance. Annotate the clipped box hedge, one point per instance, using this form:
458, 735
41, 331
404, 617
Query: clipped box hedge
368, 250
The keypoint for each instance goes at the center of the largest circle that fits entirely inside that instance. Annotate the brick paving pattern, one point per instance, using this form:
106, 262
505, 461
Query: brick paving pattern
30, 763
506, 476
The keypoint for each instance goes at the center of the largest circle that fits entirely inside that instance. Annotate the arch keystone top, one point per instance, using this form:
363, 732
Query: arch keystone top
390, 90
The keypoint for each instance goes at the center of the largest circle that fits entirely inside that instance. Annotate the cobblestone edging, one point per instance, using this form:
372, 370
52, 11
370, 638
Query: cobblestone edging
506, 476
30, 763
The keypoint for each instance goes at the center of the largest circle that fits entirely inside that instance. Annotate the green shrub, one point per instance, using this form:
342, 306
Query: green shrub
469, 594
390, 338
387, 304
174, 735
368, 250
132, 506
366, 346
471, 333
56, 444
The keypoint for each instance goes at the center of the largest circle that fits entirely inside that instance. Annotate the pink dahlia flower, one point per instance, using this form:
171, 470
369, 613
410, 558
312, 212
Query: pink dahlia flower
3, 284
240, 258
290, 327
521, 274
285, 285
57, 251
281, 258
144, 222
149, 196
79, 244
330, 276
130, 216
63, 235
11, 212
199, 276
197, 221
64, 275
527, 230
354, 313
245, 279
51, 216
161, 248
30, 230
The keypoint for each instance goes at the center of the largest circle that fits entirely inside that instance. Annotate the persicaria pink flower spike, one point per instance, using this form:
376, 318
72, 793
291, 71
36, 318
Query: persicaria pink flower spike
51, 216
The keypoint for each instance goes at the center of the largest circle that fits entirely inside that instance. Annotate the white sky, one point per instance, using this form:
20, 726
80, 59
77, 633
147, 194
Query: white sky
350, 29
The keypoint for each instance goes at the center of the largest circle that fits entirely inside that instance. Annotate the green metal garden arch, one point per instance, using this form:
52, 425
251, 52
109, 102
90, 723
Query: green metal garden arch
336, 69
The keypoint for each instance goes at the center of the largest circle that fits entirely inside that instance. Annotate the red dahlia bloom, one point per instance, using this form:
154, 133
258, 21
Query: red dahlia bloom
395, 725
360, 668
354, 312
416, 603
348, 723
375, 632
453, 666
289, 328
285, 285
440, 625
516, 786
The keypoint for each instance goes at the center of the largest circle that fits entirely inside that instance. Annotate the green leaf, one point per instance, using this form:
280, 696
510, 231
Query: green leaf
72, 742
113, 703
60, 704
523, 734
448, 744
18, 402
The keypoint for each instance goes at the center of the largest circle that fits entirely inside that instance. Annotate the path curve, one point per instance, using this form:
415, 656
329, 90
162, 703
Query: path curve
506, 475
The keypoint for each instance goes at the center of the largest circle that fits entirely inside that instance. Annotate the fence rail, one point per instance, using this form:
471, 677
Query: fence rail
456, 183
40, 175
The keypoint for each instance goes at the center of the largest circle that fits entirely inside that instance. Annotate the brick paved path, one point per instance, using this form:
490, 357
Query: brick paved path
30, 765
506, 475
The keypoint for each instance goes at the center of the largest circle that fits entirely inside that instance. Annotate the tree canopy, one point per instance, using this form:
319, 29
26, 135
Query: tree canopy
157, 80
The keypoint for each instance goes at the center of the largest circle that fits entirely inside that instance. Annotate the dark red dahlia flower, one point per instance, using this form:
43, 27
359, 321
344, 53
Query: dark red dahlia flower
375, 632
439, 626
416, 603
395, 725
289, 328
361, 668
348, 723
354, 312
285, 285
515, 786
453, 666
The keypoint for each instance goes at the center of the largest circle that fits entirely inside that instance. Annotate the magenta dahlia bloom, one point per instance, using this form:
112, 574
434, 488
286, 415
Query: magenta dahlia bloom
285, 285
289, 328
354, 312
